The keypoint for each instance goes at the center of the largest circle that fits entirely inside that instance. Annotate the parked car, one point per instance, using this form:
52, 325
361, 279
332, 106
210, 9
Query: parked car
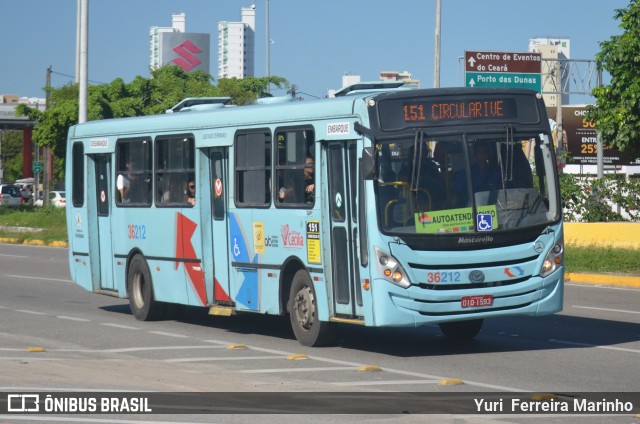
10, 195
56, 198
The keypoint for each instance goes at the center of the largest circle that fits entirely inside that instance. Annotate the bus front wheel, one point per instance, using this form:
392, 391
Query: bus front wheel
461, 330
303, 311
140, 289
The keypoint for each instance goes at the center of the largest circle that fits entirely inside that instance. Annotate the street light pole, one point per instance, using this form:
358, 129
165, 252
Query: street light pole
84, 43
45, 150
436, 61
268, 59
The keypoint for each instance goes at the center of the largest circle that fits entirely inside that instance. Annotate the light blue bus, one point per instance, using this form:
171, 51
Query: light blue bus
384, 206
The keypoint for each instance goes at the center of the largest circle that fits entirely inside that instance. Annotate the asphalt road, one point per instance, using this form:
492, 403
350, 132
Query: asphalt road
87, 343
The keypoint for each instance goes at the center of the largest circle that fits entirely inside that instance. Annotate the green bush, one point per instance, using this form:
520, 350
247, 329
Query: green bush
607, 199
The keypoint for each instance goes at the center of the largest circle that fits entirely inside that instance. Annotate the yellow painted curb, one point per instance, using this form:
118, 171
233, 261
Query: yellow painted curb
603, 279
237, 346
450, 381
297, 357
369, 368
58, 244
35, 349
8, 240
34, 242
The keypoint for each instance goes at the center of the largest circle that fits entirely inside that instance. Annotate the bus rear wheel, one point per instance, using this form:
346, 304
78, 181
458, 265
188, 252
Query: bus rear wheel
461, 330
140, 289
303, 312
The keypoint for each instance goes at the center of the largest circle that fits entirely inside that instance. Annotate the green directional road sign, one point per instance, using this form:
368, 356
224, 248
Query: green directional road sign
498, 79
37, 167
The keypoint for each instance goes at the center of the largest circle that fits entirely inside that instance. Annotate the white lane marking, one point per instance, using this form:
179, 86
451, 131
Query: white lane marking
387, 382
605, 309
312, 369
235, 358
355, 365
39, 278
134, 349
31, 359
163, 333
621, 349
124, 327
73, 318
13, 256
30, 312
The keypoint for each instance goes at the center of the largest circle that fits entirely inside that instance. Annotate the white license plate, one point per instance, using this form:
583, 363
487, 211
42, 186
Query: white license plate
476, 301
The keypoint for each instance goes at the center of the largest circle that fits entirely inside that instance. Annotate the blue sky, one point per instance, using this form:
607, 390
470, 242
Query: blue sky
314, 42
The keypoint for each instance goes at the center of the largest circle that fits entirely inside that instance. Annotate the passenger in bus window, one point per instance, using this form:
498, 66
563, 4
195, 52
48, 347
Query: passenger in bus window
191, 192
309, 181
291, 192
123, 182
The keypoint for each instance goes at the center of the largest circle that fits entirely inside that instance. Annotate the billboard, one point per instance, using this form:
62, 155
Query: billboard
581, 139
188, 50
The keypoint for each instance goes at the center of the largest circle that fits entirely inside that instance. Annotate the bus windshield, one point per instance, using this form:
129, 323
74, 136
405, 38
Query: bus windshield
465, 183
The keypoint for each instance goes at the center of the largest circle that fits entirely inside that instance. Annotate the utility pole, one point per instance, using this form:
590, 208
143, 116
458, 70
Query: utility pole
84, 43
436, 60
600, 151
268, 47
78, 7
559, 126
45, 150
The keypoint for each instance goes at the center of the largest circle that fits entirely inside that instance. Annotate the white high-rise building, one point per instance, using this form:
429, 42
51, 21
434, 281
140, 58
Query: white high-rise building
178, 24
236, 46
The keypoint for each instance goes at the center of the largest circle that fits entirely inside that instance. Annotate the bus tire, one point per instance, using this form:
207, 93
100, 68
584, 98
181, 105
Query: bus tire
140, 289
303, 312
461, 330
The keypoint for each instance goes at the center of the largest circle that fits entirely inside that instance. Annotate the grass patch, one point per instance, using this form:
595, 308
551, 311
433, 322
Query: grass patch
50, 223
602, 260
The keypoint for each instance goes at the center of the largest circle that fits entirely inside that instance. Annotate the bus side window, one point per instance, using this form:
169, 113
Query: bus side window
253, 168
133, 172
175, 167
295, 167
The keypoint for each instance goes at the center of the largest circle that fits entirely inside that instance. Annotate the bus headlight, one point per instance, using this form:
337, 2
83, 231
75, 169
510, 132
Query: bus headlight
553, 260
390, 269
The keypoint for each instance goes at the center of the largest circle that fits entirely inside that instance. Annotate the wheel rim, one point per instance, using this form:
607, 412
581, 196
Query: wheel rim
138, 291
304, 308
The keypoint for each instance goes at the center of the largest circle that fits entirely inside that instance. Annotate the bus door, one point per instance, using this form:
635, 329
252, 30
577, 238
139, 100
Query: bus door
345, 267
102, 251
219, 233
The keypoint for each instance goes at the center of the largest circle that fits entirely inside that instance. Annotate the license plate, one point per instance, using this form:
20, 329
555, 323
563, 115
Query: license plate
476, 301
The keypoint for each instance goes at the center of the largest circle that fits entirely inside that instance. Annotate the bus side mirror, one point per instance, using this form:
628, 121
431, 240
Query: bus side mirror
368, 163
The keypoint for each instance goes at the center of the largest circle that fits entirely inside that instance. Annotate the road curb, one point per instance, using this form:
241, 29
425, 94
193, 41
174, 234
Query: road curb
603, 279
11, 240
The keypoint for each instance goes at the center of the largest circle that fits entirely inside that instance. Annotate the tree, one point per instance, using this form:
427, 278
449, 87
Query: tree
617, 109
12, 152
245, 91
167, 86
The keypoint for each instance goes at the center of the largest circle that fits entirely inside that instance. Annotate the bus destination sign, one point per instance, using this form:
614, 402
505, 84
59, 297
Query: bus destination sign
462, 109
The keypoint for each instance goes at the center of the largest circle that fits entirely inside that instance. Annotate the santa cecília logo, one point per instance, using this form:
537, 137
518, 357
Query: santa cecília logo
291, 238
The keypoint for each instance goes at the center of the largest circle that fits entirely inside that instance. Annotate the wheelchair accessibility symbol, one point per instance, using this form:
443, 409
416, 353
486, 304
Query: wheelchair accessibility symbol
484, 222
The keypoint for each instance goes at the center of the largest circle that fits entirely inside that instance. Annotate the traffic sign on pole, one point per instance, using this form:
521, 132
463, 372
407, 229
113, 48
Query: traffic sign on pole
37, 167
503, 69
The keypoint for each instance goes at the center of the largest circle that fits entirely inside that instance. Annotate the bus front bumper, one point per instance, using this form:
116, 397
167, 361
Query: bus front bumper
415, 306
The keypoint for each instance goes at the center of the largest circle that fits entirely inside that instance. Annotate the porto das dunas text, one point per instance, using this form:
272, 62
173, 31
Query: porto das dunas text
576, 405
